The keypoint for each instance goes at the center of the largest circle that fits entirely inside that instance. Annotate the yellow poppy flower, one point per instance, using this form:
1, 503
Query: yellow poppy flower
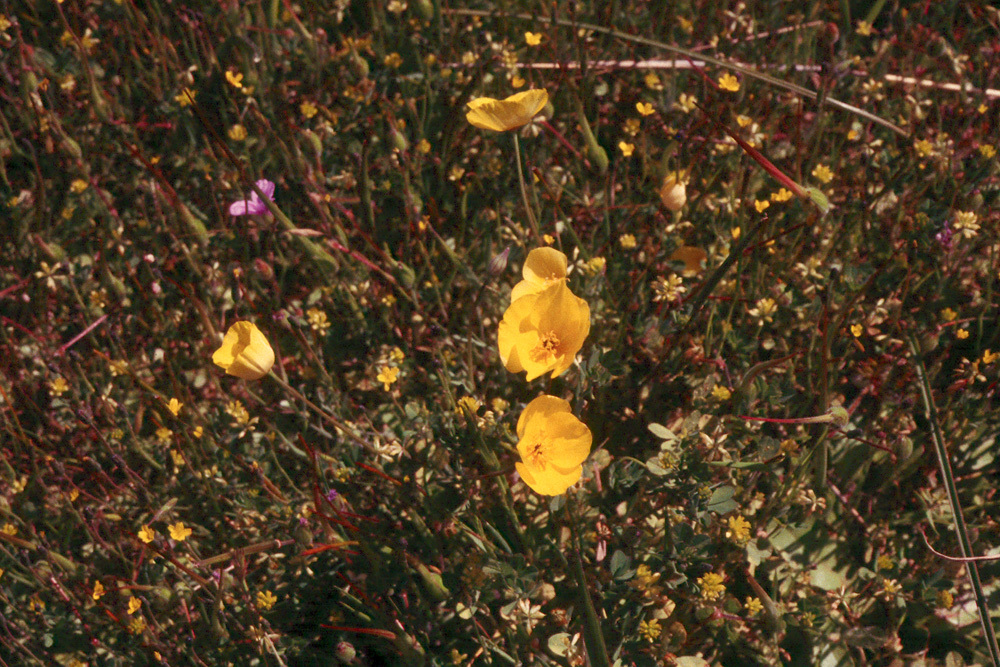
542, 332
245, 352
553, 444
507, 114
543, 268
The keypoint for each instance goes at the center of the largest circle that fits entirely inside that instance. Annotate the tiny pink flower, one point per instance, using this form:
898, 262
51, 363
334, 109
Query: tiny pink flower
254, 205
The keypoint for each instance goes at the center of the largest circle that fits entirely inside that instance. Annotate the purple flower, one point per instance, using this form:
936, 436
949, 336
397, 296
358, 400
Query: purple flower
253, 206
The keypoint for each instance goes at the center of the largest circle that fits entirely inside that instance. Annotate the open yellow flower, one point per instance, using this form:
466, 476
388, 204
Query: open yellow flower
553, 444
245, 352
543, 268
542, 332
507, 114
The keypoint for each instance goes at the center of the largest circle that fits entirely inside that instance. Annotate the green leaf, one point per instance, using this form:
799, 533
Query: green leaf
722, 500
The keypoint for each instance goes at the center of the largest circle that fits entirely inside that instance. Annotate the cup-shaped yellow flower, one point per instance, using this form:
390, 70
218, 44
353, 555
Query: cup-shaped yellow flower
542, 332
543, 268
507, 114
245, 352
553, 444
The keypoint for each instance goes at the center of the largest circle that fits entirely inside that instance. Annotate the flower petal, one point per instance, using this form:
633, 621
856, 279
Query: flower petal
541, 409
507, 114
549, 482
542, 267
267, 187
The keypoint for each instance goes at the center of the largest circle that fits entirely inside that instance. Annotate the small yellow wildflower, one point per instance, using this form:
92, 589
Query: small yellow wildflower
235, 79
4, 23
396, 6
962, 334
78, 186
237, 132
644, 108
9, 529
308, 109
885, 562
948, 315
548, 239
397, 355
73, 495
764, 309
990, 357
626, 148
98, 592
177, 457
650, 630
517, 81
982, 108
178, 531
266, 599
924, 148
739, 529
987, 151
236, 410
318, 321
627, 241
595, 266
852, 135
59, 386
198, 430
532, 38
761, 205
735, 232
652, 81
753, 606
711, 585
668, 289
174, 406
393, 60
966, 223
632, 126
185, 97
423, 147
822, 173
890, 587
137, 626
864, 28
686, 103
729, 83
721, 393
945, 599
147, 534
134, 604
781, 195
857, 330
118, 367
387, 376
467, 405
164, 434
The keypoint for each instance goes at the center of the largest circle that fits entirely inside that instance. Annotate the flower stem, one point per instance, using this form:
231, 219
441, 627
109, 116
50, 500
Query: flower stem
524, 191
336, 423
597, 650
930, 412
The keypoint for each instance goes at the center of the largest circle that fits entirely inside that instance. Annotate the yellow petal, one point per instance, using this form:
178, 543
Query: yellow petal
692, 257
550, 482
245, 352
540, 409
542, 267
507, 114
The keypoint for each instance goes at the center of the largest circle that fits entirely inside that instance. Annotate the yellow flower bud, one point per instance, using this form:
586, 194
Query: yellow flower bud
673, 192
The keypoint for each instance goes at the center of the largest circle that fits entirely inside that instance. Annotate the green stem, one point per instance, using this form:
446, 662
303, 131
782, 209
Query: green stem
930, 412
524, 190
597, 650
